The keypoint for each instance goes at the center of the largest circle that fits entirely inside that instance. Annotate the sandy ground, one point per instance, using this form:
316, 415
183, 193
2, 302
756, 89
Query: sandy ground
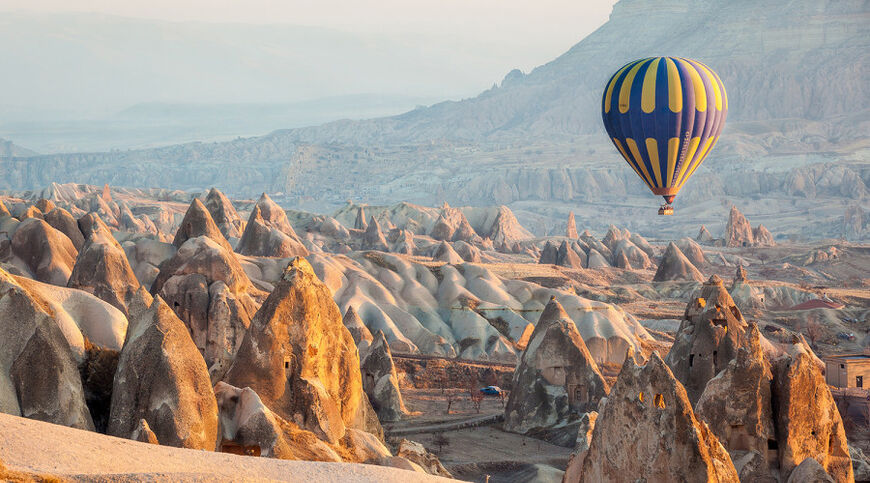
48, 449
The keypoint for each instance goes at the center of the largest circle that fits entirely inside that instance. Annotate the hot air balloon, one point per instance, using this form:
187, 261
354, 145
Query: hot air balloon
664, 115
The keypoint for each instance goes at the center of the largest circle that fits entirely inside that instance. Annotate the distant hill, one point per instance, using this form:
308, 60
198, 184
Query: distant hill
796, 138
9, 149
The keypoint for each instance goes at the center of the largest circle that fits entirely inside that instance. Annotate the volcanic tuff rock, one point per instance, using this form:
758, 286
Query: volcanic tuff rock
246, 421
224, 214
635, 256
416, 453
692, 251
584, 439
162, 379
360, 223
737, 406
373, 237
208, 289
704, 236
675, 266
206, 286
571, 228
63, 221
556, 379
39, 377
30, 212
358, 330
468, 252
708, 338
808, 424
445, 253
647, 431
143, 433
102, 267
763, 237
198, 222
738, 231
46, 252
380, 382
302, 361
267, 238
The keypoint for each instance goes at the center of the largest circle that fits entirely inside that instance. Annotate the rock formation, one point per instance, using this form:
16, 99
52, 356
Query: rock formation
692, 251
373, 237
584, 439
596, 260
162, 379
571, 229
265, 238
763, 237
62, 221
302, 361
416, 453
248, 423
675, 266
360, 222
143, 433
210, 292
446, 253
737, 406
3, 210
704, 236
38, 369
709, 336
808, 424
738, 232
101, 267
636, 257
467, 251
198, 222
358, 330
380, 382
46, 252
556, 380
647, 431
224, 214
569, 256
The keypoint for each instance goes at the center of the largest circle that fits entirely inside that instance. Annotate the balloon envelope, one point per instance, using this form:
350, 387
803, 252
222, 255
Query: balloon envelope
664, 115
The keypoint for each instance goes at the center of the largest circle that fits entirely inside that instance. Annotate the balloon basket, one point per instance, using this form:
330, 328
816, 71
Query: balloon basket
666, 209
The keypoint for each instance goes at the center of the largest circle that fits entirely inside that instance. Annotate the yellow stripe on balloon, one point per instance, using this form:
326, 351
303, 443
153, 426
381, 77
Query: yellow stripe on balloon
632, 146
698, 83
673, 149
648, 93
716, 92
720, 84
625, 88
693, 146
675, 87
609, 96
627, 157
707, 147
652, 149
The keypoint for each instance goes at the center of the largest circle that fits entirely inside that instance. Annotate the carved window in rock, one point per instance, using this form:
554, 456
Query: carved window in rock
578, 394
659, 401
691, 360
289, 363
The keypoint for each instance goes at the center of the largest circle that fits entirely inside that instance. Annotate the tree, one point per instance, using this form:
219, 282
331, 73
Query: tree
813, 329
440, 441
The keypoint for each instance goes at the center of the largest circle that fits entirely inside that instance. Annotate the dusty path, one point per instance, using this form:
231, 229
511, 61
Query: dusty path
448, 425
36, 447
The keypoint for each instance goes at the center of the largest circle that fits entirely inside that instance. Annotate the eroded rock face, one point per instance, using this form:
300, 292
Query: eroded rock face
101, 266
209, 291
143, 433
584, 439
47, 253
763, 237
224, 214
269, 234
446, 253
301, 360
704, 236
198, 222
39, 377
708, 339
62, 221
380, 382
360, 222
808, 424
571, 228
676, 267
556, 380
247, 422
373, 237
162, 379
737, 406
647, 431
416, 453
738, 232
358, 330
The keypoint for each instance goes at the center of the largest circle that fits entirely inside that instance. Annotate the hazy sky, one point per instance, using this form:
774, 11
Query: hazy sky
552, 25
438, 49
